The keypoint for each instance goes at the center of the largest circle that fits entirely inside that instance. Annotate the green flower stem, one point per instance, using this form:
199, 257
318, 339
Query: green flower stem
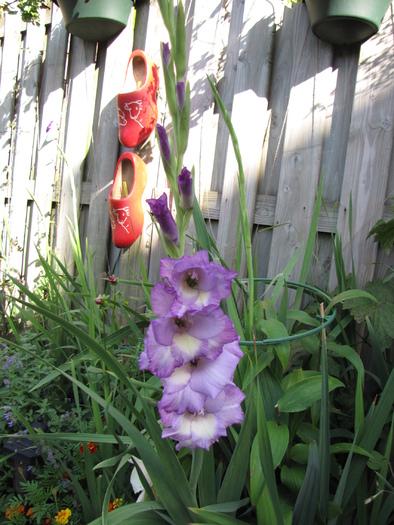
243, 210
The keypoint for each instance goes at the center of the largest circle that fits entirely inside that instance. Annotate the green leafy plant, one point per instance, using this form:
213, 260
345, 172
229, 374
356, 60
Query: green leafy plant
29, 9
314, 445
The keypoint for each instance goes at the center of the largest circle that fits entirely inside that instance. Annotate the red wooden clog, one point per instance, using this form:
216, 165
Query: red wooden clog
125, 206
137, 105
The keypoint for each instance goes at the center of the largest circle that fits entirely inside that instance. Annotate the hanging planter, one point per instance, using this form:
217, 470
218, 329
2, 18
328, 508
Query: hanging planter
95, 20
345, 22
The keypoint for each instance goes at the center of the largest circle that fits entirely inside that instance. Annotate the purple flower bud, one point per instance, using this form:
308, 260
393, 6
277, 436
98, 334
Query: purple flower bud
48, 128
166, 54
185, 187
163, 216
112, 279
181, 94
99, 300
164, 143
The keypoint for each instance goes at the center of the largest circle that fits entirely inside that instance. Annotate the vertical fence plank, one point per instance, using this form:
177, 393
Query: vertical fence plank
26, 129
148, 33
300, 169
205, 24
81, 99
105, 147
250, 118
8, 77
368, 153
51, 101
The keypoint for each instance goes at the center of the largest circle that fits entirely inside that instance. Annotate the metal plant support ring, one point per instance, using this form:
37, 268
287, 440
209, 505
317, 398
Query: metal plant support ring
291, 284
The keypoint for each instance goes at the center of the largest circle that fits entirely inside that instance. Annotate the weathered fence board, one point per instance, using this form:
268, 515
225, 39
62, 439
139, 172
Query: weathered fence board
8, 79
51, 101
79, 121
300, 107
25, 144
368, 153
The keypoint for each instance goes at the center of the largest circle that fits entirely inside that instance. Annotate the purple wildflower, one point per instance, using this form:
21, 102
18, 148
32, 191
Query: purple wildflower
202, 428
164, 143
185, 187
174, 341
181, 95
196, 281
166, 54
163, 216
187, 389
48, 128
7, 383
112, 279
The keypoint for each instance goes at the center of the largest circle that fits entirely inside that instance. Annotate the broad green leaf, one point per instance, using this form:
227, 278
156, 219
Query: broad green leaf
347, 295
301, 395
292, 477
302, 317
276, 330
263, 310
299, 453
384, 233
380, 311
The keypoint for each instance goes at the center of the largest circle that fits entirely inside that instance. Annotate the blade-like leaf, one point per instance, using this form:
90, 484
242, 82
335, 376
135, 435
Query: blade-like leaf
306, 504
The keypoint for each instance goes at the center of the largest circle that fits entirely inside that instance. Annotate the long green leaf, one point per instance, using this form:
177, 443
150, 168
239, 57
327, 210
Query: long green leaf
324, 432
371, 434
234, 479
216, 518
266, 459
306, 504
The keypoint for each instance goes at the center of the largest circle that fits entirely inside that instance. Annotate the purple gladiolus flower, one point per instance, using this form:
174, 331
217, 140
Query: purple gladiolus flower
166, 54
174, 341
196, 281
187, 389
163, 216
202, 428
181, 95
185, 187
164, 143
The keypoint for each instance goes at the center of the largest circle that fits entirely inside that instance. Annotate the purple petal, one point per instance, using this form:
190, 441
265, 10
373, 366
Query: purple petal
162, 297
164, 143
166, 54
163, 216
197, 281
181, 95
185, 188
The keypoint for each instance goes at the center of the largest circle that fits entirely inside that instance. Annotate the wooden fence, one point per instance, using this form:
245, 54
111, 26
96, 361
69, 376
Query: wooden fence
300, 107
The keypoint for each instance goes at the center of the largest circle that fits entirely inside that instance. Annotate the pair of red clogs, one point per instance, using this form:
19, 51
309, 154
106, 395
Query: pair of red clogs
137, 117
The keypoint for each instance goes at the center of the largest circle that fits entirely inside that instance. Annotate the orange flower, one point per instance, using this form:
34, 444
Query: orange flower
93, 447
30, 513
115, 504
14, 511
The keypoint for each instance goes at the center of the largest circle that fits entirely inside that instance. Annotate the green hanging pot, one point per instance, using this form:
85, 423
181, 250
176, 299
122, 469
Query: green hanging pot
95, 20
345, 22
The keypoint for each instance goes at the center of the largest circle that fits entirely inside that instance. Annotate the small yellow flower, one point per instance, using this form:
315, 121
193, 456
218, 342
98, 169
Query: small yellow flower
62, 516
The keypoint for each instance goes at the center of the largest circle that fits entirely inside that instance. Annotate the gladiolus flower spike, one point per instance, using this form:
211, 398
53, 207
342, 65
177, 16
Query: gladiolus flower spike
193, 347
